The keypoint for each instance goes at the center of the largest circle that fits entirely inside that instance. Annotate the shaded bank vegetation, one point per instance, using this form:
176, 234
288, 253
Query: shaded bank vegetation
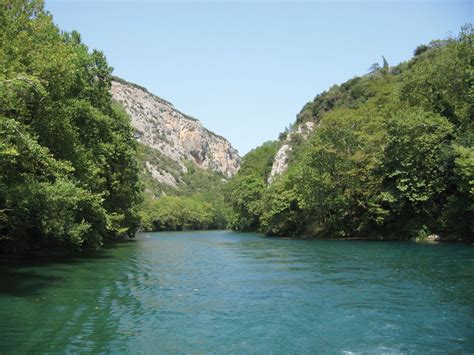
68, 169
391, 156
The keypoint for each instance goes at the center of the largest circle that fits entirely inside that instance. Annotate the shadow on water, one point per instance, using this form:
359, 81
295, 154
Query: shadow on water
22, 274
21, 283
61, 301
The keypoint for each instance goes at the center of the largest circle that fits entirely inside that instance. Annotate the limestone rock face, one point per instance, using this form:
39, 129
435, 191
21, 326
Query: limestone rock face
159, 125
161, 176
280, 164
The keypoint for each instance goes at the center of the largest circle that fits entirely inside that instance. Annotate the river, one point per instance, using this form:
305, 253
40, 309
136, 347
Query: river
220, 291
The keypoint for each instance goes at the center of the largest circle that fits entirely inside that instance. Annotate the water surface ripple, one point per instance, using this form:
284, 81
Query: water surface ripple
199, 292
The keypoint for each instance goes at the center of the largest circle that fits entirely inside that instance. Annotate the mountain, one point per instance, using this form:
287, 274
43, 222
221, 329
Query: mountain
170, 141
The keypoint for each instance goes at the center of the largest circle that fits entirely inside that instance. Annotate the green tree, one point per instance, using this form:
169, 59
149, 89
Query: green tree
68, 166
245, 191
415, 171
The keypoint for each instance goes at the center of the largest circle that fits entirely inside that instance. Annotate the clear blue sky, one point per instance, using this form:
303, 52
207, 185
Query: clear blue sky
246, 68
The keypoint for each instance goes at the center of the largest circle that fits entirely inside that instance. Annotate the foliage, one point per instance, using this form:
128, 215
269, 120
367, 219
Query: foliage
414, 170
68, 168
283, 206
458, 215
440, 80
173, 213
391, 156
195, 188
245, 191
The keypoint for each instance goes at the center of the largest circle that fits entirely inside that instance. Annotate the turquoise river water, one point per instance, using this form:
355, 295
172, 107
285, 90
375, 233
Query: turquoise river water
226, 292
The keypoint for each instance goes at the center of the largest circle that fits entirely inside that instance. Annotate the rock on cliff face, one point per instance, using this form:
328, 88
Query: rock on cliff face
177, 136
280, 163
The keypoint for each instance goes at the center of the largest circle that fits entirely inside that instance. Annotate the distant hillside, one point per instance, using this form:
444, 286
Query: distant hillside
170, 140
184, 167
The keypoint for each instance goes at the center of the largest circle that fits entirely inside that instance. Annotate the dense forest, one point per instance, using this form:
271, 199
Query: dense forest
391, 156
68, 168
196, 203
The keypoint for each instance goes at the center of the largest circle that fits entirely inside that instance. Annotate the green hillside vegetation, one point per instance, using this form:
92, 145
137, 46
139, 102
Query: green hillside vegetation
196, 203
391, 156
245, 192
177, 213
68, 169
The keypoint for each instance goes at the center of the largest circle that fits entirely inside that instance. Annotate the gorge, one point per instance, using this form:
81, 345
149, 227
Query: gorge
127, 226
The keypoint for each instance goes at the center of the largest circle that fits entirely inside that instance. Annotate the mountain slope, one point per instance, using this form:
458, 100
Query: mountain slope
170, 140
184, 167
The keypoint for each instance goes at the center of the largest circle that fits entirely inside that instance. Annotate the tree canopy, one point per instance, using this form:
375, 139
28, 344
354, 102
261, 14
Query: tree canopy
68, 170
391, 156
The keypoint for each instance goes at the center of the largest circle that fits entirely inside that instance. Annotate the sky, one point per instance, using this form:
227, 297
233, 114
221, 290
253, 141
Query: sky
246, 68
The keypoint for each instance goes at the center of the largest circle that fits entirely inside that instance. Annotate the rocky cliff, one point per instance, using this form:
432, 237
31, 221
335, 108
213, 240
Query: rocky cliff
280, 163
173, 135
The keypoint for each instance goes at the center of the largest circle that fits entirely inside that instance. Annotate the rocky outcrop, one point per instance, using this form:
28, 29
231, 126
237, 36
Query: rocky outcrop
430, 239
160, 175
159, 125
280, 163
